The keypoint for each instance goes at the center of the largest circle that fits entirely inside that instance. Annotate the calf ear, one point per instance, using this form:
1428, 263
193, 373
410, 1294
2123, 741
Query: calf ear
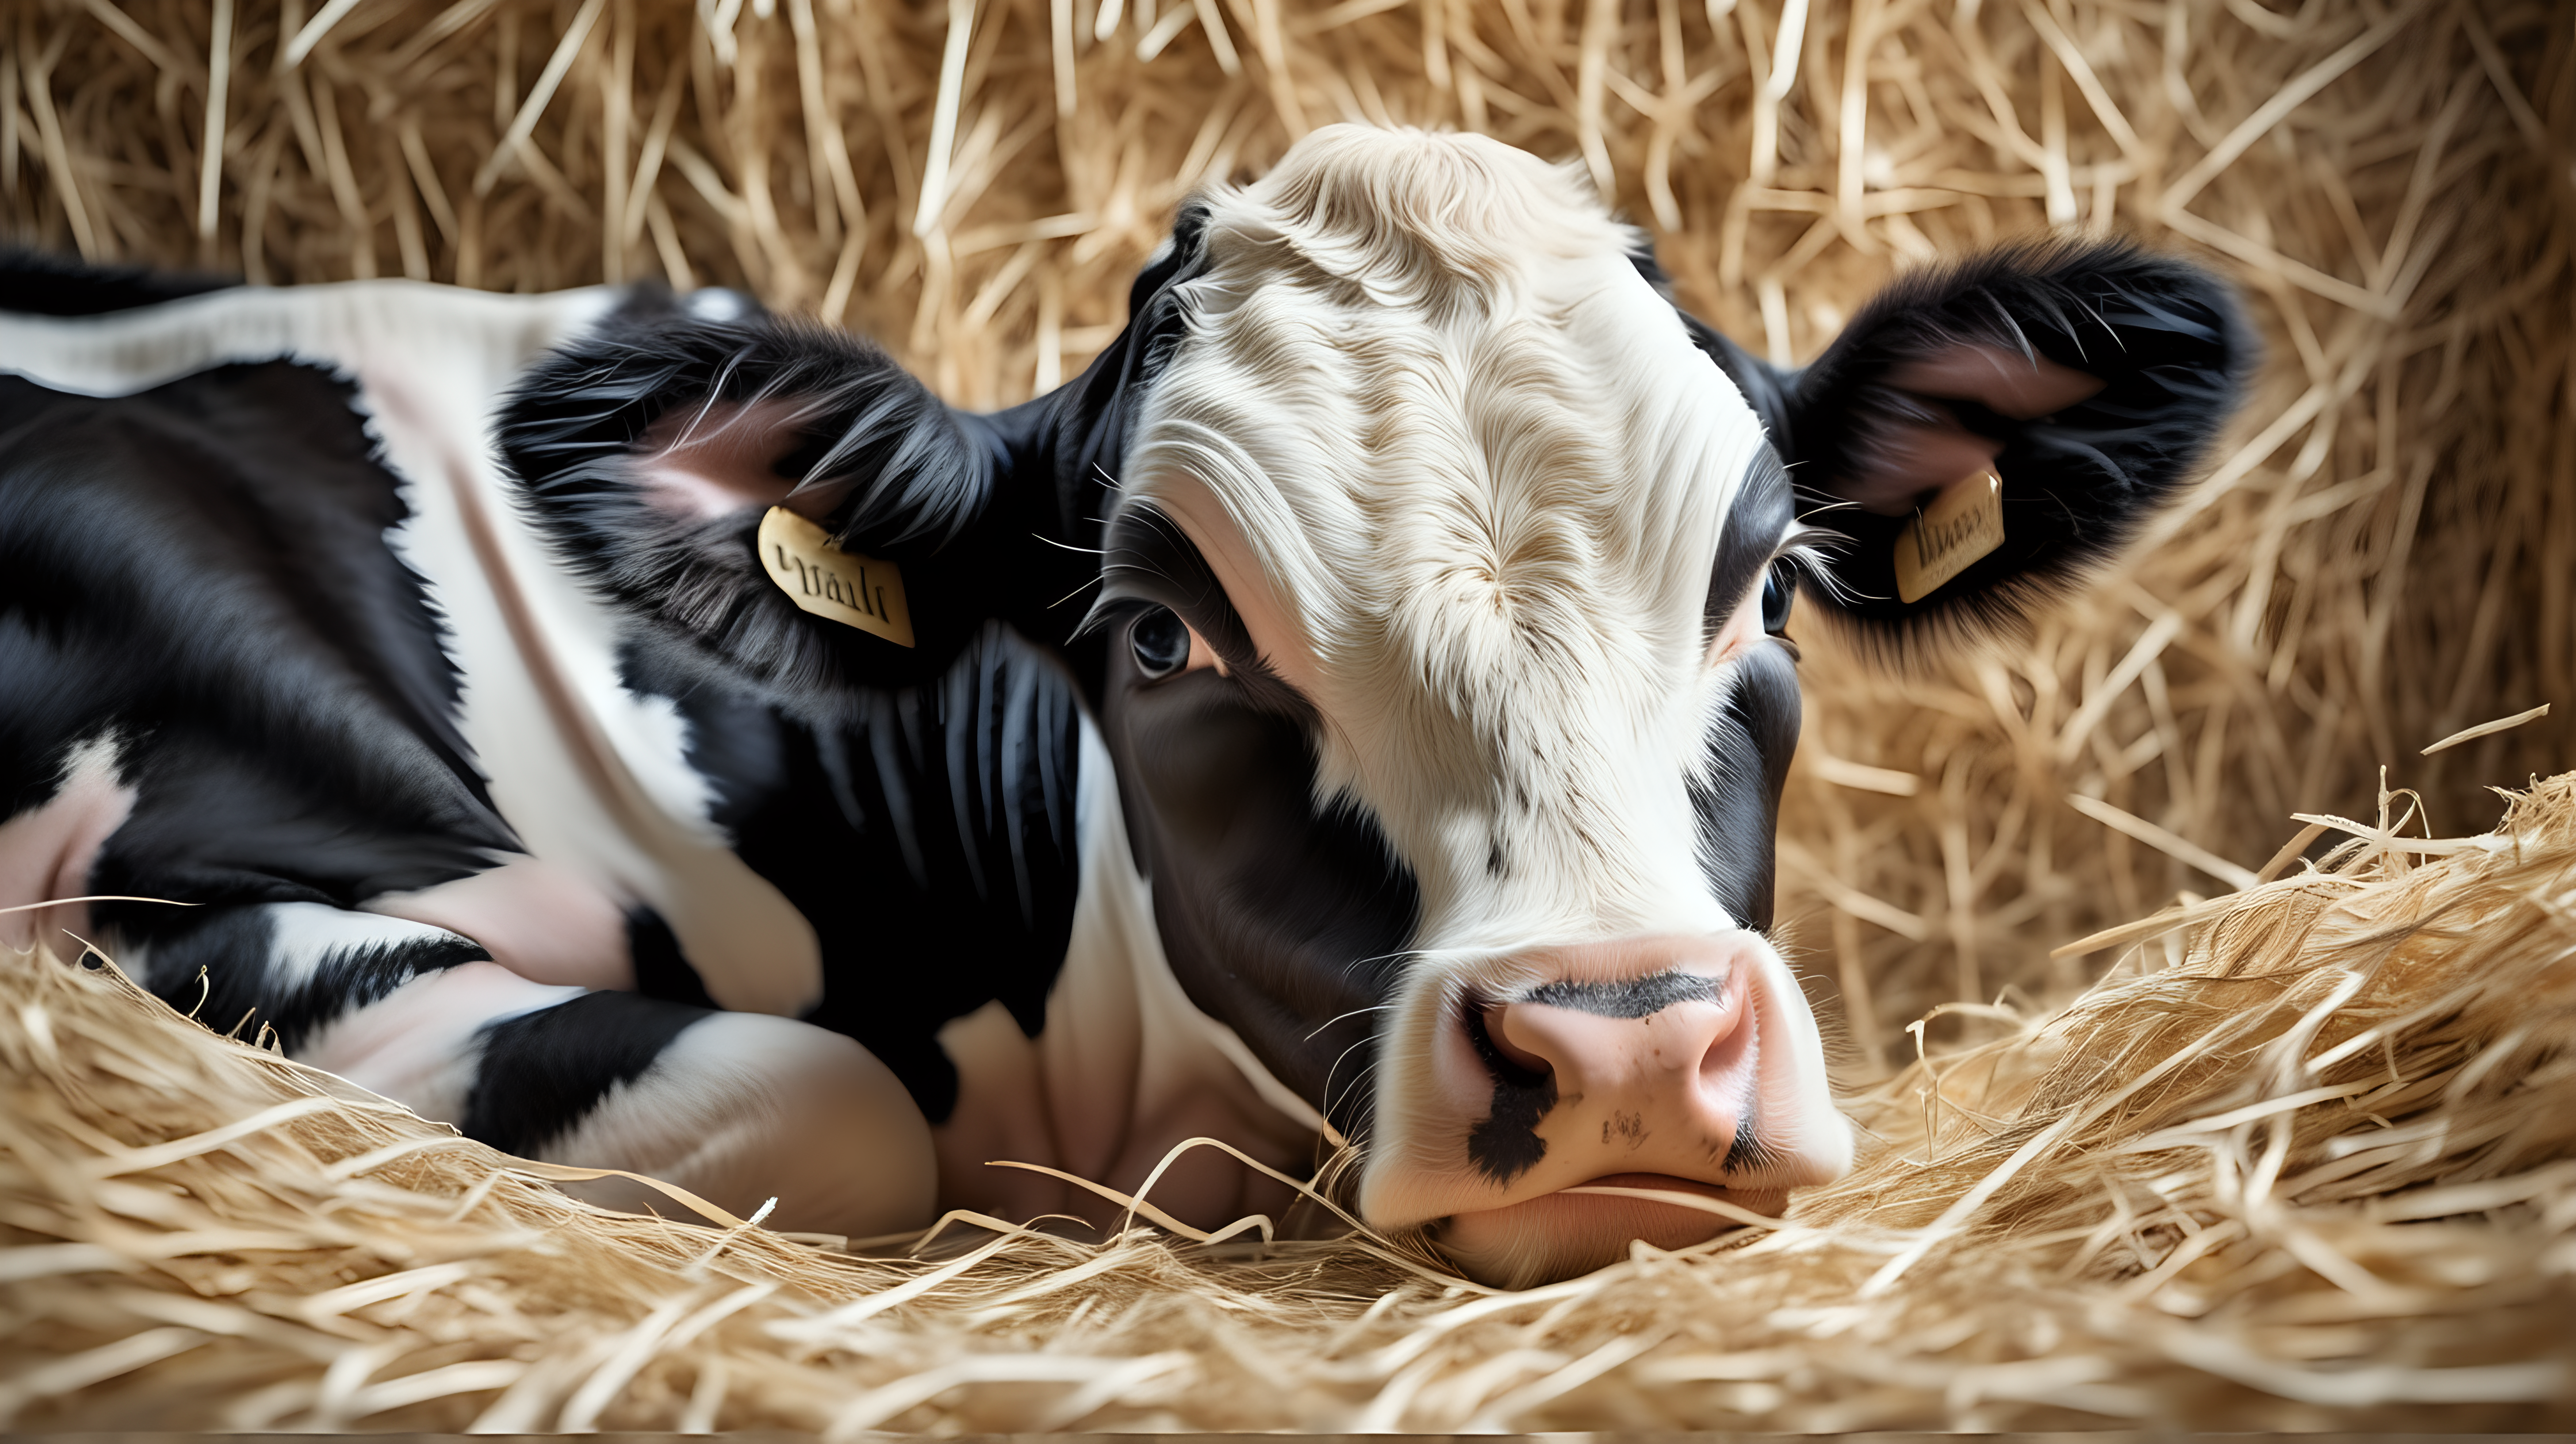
2077, 384
651, 451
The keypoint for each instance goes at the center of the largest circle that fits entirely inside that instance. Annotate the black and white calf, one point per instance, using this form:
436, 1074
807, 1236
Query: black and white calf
1354, 709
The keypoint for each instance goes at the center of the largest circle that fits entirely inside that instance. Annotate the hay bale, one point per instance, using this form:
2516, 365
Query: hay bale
2383, 557
2302, 1161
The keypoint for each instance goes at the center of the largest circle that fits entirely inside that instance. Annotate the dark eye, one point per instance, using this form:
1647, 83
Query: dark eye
1779, 589
1161, 642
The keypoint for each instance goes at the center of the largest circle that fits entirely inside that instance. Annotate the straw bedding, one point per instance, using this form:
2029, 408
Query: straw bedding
2297, 1155
2316, 1166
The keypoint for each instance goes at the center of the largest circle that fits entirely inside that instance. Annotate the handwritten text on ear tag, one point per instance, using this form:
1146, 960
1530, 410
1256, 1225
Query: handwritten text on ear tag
823, 579
1961, 526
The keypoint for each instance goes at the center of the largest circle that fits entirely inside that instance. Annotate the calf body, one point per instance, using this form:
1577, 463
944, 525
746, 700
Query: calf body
282, 644
1353, 711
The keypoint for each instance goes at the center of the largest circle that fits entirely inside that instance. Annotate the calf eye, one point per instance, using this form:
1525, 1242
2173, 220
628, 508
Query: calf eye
1779, 589
1161, 642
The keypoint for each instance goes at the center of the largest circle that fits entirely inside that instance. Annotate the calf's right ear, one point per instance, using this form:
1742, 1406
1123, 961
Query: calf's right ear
651, 452
1983, 432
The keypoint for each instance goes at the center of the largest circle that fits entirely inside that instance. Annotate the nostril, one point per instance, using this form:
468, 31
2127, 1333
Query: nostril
1510, 1062
1731, 1035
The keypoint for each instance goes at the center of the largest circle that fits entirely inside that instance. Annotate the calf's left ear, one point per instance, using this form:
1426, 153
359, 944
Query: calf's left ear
1982, 432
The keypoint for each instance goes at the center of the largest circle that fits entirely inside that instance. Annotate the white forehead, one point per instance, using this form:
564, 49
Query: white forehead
1482, 473
1423, 379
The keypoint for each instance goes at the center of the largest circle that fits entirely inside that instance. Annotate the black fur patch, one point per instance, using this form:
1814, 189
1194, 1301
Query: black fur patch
541, 1073
931, 842
1764, 507
1076, 437
35, 284
1285, 920
1739, 808
201, 569
661, 969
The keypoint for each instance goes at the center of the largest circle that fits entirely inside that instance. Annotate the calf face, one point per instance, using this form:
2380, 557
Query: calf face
1443, 565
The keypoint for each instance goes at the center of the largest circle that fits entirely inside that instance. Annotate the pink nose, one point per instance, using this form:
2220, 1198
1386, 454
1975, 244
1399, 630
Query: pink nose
1650, 1047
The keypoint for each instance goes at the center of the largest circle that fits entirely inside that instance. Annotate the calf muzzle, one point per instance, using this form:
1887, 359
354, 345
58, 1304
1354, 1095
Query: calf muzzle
1655, 1088
1650, 1049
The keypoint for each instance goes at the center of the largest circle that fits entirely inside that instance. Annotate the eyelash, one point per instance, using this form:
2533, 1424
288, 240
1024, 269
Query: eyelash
1110, 613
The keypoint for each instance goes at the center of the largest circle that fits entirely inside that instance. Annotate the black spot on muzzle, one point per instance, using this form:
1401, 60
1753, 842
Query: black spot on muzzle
1506, 1145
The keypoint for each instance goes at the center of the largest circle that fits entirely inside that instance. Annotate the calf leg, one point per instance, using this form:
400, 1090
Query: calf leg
738, 1108
735, 1107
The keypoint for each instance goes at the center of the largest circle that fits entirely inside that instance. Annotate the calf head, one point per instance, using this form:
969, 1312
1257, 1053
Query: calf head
1453, 563
1439, 640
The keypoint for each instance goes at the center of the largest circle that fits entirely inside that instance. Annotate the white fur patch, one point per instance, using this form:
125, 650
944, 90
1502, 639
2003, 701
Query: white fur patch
304, 935
46, 852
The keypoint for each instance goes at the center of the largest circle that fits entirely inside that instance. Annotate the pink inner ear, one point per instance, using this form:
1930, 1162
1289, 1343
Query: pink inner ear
1903, 463
715, 461
2020, 387
1909, 459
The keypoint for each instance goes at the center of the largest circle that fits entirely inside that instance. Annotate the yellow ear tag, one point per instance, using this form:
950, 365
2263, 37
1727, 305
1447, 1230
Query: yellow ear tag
1961, 526
823, 579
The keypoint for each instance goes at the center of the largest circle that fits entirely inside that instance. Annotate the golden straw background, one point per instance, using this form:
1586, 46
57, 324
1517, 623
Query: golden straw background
2381, 558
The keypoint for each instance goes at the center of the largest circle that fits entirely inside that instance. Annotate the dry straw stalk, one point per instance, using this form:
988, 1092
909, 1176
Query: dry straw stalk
2382, 558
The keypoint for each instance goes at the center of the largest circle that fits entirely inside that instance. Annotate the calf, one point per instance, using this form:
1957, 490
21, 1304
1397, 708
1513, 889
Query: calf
657, 735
